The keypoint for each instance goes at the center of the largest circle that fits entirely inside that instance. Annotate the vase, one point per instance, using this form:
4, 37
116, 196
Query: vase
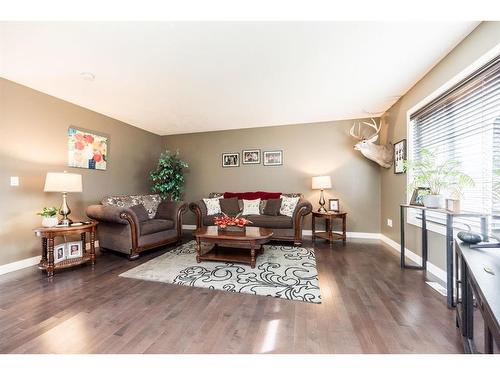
232, 228
50, 221
433, 201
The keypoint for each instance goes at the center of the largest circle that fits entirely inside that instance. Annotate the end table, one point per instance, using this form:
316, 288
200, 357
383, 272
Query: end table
49, 234
329, 234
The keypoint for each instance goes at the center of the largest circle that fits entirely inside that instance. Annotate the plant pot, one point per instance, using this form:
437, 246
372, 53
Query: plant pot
433, 201
50, 221
232, 228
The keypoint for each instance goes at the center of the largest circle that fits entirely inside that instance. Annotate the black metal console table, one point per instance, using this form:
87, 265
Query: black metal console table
449, 241
478, 298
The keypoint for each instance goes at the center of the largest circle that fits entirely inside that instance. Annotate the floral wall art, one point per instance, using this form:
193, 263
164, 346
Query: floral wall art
87, 150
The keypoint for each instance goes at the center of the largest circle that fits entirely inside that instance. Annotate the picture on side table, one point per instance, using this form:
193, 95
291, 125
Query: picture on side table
59, 253
75, 249
250, 156
333, 205
231, 159
399, 156
273, 157
418, 194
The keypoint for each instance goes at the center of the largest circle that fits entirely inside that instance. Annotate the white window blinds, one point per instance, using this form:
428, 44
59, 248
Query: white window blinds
464, 124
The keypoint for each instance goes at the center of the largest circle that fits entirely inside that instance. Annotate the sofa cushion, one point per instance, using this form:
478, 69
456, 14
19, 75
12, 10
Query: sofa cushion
266, 221
230, 206
209, 220
272, 207
149, 201
155, 226
140, 212
251, 195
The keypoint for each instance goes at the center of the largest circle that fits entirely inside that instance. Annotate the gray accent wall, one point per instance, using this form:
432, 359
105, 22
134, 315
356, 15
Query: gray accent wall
34, 141
309, 150
393, 189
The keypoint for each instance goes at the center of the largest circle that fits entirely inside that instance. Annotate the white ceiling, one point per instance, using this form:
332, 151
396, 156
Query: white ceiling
183, 77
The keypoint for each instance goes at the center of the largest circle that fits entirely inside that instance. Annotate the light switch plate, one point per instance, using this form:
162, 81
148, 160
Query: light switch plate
14, 181
389, 222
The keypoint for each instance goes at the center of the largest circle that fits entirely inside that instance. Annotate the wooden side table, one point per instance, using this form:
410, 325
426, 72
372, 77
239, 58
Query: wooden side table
49, 234
329, 234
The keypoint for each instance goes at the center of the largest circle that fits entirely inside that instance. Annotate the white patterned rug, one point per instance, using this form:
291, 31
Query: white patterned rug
281, 271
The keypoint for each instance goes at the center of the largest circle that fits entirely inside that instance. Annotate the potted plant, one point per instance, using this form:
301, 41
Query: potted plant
49, 217
439, 177
168, 177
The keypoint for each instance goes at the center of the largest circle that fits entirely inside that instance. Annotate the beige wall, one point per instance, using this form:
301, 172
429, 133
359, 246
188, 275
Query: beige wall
33, 127
393, 191
309, 150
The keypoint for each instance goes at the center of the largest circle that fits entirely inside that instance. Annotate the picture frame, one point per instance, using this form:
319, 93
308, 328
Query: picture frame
272, 158
400, 156
453, 205
334, 205
418, 193
230, 159
59, 253
250, 156
87, 149
74, 249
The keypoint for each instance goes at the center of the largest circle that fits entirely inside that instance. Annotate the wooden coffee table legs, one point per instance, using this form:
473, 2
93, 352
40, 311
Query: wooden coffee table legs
198, 250
252, 255
230, 254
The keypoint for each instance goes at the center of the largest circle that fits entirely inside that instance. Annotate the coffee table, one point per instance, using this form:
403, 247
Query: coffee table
238, 246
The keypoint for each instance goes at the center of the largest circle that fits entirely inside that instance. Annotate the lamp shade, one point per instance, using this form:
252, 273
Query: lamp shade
321, 182
63, 182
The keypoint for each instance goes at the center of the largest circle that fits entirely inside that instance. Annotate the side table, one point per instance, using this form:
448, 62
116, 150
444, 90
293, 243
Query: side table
49, 234
329, 234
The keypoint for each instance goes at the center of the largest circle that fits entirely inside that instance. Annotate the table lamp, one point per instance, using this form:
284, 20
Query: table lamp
63, 183
321, 183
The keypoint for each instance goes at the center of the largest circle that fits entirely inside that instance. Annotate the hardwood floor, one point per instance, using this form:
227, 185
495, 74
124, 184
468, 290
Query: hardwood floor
369, 305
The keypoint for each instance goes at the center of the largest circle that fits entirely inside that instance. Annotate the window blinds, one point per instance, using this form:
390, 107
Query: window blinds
464, 124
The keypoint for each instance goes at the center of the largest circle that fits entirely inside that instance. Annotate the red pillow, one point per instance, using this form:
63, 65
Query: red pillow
249, 195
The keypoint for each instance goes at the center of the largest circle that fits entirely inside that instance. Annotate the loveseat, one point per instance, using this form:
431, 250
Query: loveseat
285, 228
131, 224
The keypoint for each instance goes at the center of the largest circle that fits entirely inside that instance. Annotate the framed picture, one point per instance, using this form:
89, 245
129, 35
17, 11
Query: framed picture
333, 205
59, 253
418, 194
453, 205
273, 157
231, 159
399, 156
87, 150
250, 156
74, 249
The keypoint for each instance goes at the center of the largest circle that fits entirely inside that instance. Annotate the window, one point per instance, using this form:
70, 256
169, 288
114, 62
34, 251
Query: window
464, 124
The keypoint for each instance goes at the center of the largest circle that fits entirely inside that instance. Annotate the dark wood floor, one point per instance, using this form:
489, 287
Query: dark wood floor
368, 305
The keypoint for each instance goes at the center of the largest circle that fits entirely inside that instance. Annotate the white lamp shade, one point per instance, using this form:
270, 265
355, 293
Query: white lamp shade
63, 182
321, 182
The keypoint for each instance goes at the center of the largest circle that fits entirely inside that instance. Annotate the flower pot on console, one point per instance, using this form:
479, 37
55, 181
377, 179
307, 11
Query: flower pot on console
433, 201
48, 222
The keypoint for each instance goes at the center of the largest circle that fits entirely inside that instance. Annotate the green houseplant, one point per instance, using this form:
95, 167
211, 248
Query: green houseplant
49, 217
168, 177
439, 177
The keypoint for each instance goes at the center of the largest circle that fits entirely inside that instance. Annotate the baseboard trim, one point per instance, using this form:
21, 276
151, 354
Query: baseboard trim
432, 268
188, 226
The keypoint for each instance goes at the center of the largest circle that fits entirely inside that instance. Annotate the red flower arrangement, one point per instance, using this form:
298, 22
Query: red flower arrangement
224, 222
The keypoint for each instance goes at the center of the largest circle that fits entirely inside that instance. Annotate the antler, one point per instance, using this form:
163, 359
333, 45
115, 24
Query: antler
372, 125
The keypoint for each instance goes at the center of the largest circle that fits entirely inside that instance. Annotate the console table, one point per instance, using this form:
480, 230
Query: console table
449, 241
49, 234
478, 281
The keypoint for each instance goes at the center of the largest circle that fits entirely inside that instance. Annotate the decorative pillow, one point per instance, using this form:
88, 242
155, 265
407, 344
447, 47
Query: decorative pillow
140, 212
164, 210
213, 205
288, 205
230, 206
272, 207
251, 207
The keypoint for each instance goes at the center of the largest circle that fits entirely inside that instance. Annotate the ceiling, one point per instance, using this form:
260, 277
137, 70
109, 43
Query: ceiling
184, 77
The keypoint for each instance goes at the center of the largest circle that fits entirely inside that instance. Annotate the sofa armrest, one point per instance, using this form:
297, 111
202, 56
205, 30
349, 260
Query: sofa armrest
304, 207
200, 210
173, 211
112, 214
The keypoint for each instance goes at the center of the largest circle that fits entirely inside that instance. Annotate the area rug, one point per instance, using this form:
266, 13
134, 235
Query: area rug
281, 271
